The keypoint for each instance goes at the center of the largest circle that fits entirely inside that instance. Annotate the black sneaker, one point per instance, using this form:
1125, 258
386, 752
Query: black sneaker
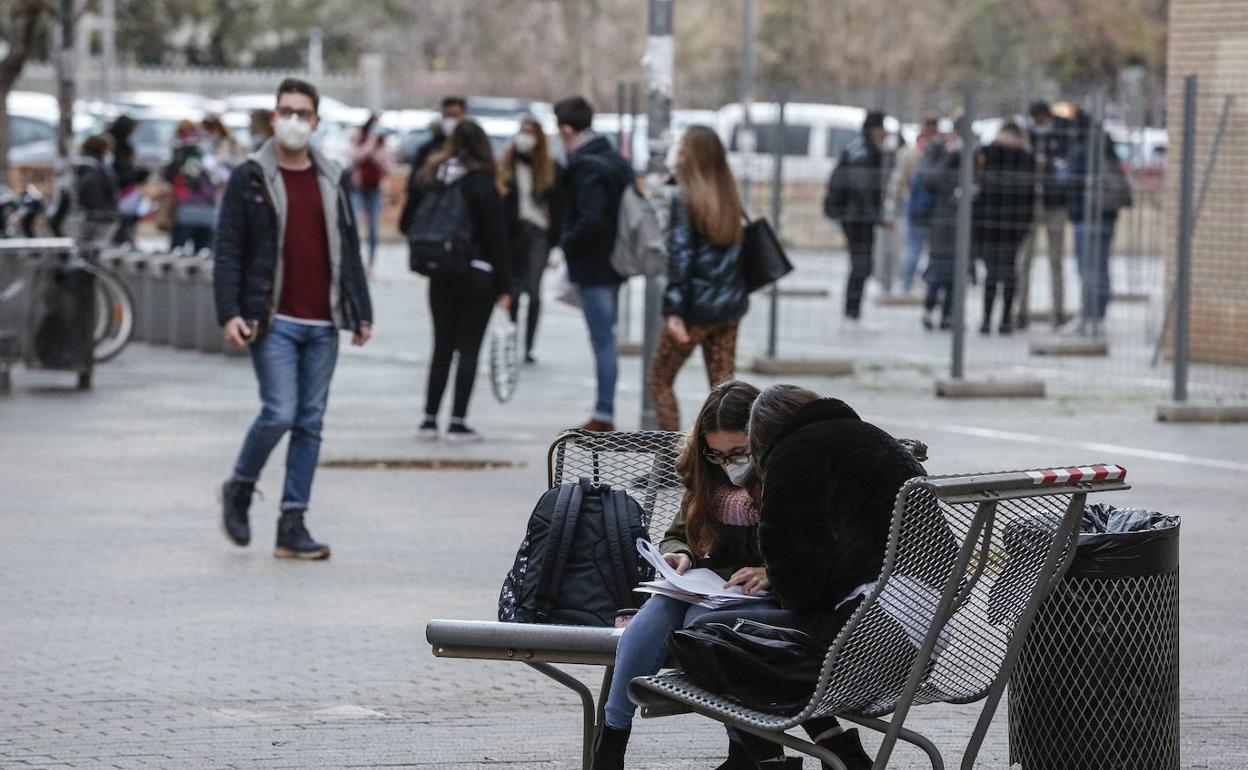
428, 430
294, 541
848, 748
529, 359
460, 433
235, 499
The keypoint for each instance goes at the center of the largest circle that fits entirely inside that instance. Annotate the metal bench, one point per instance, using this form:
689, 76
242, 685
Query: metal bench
913, 641
643, 464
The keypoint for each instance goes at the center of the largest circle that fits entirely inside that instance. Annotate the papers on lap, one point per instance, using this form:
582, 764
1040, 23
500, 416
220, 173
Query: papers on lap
697, 586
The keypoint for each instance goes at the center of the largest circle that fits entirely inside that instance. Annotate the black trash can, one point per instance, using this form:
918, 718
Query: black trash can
1096, 686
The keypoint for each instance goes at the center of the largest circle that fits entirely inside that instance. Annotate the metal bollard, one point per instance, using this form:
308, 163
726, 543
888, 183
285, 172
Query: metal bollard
131, 267
157, 296
183, 282
208, 337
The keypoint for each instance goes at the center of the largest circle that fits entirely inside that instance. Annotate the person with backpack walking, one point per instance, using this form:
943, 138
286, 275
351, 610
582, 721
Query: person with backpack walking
531, 181
1002, 216
706, 295
855, 197
456, 228
369, 166
715, 529
286, 276
597, 178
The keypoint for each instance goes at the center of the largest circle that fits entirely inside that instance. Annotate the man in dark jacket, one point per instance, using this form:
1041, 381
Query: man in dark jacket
856, 198
454, 109
287, 275
595, 181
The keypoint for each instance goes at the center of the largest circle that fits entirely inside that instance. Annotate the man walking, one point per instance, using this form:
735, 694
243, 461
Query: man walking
287, 275
913, 199
596, 178
1050, 141
856, 198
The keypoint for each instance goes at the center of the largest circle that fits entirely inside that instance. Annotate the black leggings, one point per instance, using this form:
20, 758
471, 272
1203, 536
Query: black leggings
861, 239
530, 262
999, 259
461, 307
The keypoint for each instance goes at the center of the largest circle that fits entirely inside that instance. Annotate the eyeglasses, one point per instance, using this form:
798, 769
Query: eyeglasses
286, 112
715, 458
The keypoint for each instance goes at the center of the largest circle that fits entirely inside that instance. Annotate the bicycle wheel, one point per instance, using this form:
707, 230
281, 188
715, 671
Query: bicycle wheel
114, 314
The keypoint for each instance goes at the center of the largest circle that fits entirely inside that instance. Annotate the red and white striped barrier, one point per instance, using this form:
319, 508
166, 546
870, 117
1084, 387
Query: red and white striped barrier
1088, 473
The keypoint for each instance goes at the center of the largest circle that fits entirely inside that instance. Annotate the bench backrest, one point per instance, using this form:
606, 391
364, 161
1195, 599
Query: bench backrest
642, 463
966, 556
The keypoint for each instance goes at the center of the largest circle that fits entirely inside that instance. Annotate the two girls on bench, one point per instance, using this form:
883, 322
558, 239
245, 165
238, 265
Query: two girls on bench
824, 484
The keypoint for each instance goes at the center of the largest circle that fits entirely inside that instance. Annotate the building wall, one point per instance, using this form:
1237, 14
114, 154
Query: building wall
1209, 38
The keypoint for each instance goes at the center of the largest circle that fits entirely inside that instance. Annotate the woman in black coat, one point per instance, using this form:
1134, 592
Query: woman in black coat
1002, 217
829, 482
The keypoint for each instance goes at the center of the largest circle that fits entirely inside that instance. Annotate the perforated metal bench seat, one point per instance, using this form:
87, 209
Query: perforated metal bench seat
525, 642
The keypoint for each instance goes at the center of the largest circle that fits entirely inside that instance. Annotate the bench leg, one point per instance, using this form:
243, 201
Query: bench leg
587, 707
909, 736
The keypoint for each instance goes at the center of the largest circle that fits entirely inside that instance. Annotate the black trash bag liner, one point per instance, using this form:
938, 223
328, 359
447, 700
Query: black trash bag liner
1125, 542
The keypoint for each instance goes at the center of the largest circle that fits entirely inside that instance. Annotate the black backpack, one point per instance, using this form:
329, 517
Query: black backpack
578, 564
439, 238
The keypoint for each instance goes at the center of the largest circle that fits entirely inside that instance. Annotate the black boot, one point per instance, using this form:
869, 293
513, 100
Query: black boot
609, 748
747, 751
294, 541
848, 748
235, 499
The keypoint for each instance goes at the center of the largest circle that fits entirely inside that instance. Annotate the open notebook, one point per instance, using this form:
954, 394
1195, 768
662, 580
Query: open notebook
702, 587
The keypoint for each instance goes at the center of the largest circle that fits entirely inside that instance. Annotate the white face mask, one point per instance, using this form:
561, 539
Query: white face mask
448, 126
292, 133
737, 474
525, 142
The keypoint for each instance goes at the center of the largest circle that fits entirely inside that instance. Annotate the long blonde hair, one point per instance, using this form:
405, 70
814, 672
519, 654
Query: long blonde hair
543, 165
707, 187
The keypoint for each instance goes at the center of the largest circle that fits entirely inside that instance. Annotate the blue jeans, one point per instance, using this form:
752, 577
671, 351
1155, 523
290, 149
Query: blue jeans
916, 238
642, 651
369, 202
1094, 271
294, 364
601, 303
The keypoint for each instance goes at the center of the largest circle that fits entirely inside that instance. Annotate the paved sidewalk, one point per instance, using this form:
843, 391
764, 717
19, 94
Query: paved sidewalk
133, 635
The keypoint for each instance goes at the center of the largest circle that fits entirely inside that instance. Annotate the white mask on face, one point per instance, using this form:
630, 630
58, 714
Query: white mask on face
448, 126
737, 474
525, 142
292, 132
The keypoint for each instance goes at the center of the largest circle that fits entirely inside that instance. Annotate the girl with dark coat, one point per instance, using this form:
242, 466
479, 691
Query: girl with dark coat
1002, 217
461, 304
530, 178
938, 173
829, 482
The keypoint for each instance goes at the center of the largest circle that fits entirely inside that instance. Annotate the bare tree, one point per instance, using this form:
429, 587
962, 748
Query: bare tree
24, 16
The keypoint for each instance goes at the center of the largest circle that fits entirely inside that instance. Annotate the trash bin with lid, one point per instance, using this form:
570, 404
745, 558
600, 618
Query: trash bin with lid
184, 281
1096, 686
157, 299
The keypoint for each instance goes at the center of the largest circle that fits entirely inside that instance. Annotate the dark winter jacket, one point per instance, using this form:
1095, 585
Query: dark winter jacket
705, 282
123, 154
1111, 175
1005, 200
1053, 145
425, 151
553, 200
830, 481
938, 173
856, 187
250, 231
485, 209
594, 184
95, 187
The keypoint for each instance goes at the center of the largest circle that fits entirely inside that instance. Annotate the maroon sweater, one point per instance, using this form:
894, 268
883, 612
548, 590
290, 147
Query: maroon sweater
305, 252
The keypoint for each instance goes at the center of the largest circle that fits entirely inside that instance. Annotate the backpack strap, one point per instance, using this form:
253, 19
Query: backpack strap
613, 508
558, 545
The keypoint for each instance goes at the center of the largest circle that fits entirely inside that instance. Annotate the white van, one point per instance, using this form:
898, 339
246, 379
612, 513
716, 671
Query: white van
814, 137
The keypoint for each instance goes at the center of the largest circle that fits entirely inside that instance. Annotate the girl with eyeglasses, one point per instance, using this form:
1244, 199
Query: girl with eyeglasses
716, 529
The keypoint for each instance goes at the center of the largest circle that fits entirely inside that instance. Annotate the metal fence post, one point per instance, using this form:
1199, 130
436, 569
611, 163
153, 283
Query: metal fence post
659, 64
777, 181
1183, 254
962, 249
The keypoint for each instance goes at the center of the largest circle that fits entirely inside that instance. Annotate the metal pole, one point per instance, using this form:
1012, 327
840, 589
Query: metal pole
659, 63
1183, 255
747, 97
962, 244
108, 9
1096, 225
623, 140
777, 181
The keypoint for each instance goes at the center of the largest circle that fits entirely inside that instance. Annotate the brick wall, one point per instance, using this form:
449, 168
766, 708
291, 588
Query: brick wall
1209, 39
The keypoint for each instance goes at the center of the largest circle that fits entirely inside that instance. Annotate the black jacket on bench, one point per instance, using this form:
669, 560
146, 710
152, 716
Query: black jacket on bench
830, 483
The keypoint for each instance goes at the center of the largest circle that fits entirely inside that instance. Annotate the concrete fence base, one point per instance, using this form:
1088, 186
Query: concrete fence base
818, 367
1188, 411
1070, 346
963, 388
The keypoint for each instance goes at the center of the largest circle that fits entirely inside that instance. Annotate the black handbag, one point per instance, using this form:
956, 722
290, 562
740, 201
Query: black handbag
762, 256
760, 666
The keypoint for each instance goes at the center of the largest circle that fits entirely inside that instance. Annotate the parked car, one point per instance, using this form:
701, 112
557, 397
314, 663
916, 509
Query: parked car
33, 121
